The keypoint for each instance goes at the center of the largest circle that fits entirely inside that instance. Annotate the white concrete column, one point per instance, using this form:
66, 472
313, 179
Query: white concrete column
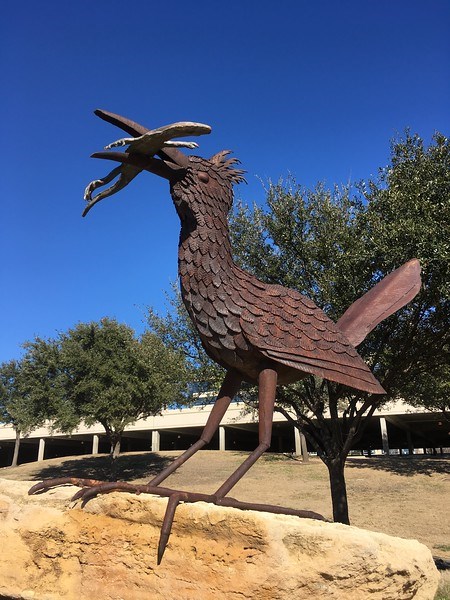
41, 450
222, 438
305, 455
384, 435
301, 449
95, 439
298, 443
156, 438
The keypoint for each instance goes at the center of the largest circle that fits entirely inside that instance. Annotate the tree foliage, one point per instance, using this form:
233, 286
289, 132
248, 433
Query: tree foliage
13, 409
17, 408
100, 372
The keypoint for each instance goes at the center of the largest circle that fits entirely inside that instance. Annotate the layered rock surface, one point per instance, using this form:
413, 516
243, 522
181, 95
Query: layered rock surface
108, 550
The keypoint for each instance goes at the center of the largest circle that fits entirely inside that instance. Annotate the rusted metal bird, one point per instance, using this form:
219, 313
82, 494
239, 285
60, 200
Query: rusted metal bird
260, 333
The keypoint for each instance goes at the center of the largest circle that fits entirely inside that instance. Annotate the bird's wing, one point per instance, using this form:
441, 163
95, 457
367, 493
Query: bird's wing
287, 327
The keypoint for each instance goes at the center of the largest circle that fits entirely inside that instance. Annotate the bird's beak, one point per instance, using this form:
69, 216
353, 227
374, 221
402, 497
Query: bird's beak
144, 146
165, 166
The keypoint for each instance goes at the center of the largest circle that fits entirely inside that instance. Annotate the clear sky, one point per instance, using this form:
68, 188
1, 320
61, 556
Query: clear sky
312, 88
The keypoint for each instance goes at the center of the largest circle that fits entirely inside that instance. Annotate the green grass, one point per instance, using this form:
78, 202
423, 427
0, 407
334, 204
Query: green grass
443, 592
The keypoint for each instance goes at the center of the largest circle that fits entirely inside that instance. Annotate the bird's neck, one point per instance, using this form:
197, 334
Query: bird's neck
204, 251
204, 248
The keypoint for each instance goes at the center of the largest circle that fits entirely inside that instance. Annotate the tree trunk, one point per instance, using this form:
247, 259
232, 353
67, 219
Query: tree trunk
338, 490
16, 449
115, 445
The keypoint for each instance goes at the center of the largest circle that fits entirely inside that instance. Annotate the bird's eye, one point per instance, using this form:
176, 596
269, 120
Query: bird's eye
203, 176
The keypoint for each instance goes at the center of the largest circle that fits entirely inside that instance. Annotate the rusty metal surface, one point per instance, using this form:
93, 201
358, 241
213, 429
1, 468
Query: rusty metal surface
262, 333
389, 295
243, 321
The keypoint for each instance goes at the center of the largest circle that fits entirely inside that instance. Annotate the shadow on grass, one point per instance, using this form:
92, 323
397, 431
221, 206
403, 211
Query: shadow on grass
124, 468
408, 466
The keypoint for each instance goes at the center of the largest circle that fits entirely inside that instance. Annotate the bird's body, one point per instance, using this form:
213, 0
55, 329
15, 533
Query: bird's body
243, 322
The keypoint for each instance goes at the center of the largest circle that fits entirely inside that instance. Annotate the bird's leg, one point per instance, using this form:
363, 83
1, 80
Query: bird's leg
267, 385
227, 392
229, 389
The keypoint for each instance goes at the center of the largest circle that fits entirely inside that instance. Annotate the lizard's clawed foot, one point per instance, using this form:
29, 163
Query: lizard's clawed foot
90, 189
121, 142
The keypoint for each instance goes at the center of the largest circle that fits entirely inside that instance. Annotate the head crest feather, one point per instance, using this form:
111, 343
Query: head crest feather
227, 166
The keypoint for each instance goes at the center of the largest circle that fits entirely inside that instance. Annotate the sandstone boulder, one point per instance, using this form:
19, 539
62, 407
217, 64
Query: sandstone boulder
108, 551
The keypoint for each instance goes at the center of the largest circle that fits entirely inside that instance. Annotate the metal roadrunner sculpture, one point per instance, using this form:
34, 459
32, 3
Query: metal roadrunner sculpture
260, 333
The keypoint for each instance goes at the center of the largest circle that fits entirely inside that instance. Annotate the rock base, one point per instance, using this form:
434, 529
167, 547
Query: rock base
108, 550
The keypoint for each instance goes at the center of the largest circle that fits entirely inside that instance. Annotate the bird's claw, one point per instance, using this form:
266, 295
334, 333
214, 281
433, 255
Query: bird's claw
174, 499
88, 492
91, 488
166, 528
48, 484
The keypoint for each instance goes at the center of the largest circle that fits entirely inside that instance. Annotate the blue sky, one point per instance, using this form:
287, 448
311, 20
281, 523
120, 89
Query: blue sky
316, 89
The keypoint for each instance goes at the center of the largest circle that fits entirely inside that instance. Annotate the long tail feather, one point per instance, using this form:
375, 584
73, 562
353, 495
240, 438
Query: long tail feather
389, 295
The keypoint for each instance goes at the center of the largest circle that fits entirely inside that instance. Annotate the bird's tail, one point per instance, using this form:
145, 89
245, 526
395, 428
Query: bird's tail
389, 295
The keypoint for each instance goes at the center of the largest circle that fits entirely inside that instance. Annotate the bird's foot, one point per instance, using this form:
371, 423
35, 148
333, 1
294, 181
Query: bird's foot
92, 487
89, 487
48, 484
175, 497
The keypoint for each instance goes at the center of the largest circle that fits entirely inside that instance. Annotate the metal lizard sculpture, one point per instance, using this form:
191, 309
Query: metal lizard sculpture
261, 333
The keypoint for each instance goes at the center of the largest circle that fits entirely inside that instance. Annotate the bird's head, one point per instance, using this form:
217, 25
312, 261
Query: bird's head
203, 194
156, 151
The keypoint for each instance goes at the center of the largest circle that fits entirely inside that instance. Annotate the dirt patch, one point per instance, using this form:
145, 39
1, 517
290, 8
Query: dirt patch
405, 497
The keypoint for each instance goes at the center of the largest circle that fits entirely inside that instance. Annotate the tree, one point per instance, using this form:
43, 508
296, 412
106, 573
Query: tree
16, 407
101, 372
333, 246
